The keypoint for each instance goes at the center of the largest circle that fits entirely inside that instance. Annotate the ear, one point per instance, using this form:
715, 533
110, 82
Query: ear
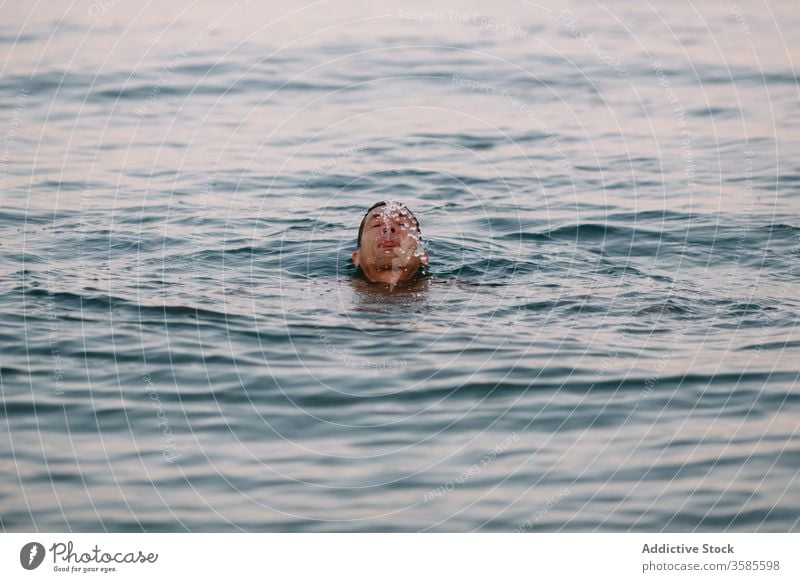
424, 258
356, 258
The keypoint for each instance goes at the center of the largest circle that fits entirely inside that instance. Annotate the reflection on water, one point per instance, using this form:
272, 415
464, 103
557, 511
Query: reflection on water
377, 296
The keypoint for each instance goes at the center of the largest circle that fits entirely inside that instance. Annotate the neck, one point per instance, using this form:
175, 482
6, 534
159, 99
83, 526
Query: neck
390, 277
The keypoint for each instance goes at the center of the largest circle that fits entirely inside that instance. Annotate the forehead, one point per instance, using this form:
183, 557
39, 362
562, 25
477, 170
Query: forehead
383, 216
387, 211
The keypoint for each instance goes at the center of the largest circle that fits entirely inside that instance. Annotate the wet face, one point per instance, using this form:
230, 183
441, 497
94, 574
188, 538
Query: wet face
391, 249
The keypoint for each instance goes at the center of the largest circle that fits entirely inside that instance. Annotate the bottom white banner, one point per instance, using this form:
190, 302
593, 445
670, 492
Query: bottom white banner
401, 557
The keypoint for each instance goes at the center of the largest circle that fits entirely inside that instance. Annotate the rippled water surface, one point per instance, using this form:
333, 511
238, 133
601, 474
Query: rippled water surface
607, 336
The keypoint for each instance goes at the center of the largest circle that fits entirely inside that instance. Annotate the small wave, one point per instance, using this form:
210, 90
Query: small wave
92, 301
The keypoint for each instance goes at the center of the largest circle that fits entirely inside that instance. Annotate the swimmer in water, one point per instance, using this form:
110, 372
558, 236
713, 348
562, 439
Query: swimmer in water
390, 248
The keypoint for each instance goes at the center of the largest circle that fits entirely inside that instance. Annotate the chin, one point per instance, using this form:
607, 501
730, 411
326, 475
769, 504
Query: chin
381, 261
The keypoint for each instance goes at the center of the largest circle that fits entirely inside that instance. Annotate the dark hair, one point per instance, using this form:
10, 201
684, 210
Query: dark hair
376, 205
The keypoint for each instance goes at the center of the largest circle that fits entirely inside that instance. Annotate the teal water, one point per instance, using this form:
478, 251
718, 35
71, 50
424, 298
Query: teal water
607, 338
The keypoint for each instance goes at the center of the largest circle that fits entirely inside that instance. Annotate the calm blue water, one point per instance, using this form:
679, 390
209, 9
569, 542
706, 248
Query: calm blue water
608, 337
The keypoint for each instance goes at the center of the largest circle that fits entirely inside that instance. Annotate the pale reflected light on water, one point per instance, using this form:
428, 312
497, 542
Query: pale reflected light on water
607, 336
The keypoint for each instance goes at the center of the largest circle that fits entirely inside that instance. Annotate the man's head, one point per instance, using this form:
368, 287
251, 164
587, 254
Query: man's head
389, 244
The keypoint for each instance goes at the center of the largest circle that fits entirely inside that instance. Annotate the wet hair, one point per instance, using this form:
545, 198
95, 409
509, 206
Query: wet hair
377, 205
